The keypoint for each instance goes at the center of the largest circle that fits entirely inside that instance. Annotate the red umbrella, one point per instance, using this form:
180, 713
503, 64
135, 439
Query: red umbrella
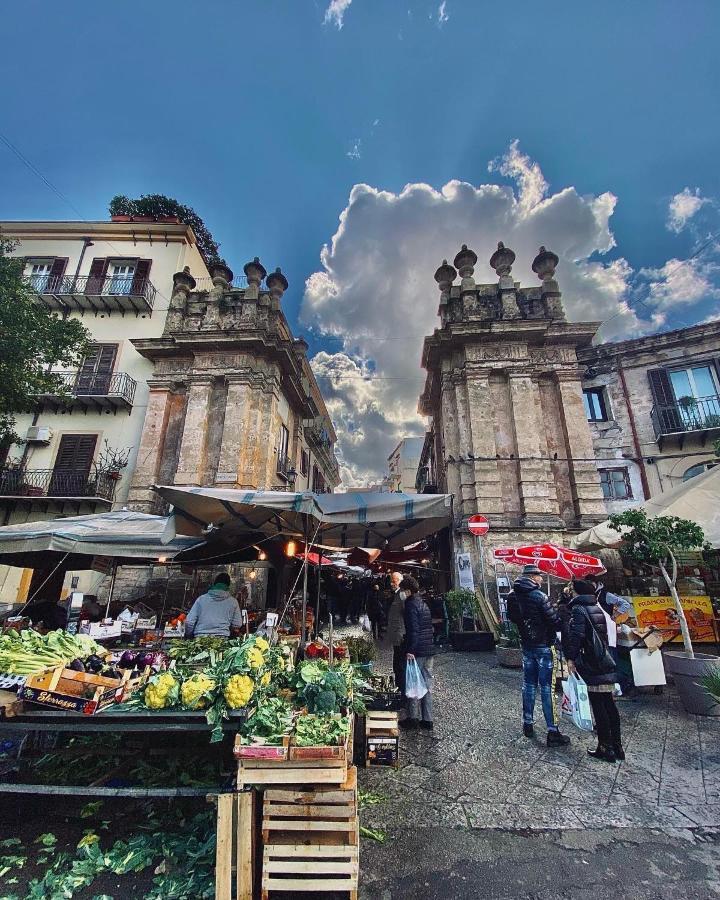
551, 559
314, 559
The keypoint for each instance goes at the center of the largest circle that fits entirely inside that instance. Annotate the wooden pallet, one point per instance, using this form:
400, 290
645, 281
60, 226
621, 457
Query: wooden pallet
235, 848
311, 839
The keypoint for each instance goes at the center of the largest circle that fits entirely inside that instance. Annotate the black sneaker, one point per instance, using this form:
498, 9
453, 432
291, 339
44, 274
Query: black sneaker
619, 753
555, 739
426, 725
604, 753
410, 724
528, 730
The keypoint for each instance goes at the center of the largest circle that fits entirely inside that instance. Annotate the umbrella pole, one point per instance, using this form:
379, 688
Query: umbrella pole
303, 626
112, 588
317, 601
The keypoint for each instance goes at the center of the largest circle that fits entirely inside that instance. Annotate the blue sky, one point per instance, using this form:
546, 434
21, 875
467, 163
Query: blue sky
263, 116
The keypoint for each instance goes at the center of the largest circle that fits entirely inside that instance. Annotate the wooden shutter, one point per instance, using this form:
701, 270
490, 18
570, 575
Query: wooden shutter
142, 273
72, 465
96, 369
661, 387
57, 271
96, 279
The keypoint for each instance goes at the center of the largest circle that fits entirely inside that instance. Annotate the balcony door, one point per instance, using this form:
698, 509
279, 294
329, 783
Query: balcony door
121, 275
96, 370
71, 472
696, 395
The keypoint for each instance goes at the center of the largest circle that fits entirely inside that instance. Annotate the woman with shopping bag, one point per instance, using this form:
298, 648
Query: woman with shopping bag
419, 650
585, 644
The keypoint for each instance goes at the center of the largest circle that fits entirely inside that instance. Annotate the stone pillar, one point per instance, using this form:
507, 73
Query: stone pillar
141, 497
544, 266
465, 441
502, 261
450, 439
481, 417
193, 447
444, 277
236, 428
183, 284
222, 277
587, 493
538, 498
269, 435
277, 285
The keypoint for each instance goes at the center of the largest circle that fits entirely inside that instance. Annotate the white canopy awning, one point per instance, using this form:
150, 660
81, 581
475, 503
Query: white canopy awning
391, 520
697, 499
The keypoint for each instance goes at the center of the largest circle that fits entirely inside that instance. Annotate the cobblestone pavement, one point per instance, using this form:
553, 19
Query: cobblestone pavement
475, 800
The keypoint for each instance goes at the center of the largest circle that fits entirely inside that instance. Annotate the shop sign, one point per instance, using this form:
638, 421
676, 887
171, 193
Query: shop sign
465, 572
660, 612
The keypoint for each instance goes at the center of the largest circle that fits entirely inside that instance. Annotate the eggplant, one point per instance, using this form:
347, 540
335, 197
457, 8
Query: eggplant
111, 673
94, 664
77, 665
128, 659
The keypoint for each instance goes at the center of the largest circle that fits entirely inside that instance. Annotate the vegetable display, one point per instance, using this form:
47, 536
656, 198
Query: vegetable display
270, 722
311, 731
28, 652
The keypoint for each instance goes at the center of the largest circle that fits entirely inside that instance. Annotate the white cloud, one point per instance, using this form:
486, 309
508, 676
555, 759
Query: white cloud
355, 152
442, 15
335, 13
375, 291
683, 207
679, 282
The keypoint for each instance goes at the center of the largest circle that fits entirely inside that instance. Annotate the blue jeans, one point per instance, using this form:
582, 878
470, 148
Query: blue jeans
538, 669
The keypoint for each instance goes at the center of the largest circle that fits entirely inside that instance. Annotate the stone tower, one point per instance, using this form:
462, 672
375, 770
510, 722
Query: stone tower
509, 435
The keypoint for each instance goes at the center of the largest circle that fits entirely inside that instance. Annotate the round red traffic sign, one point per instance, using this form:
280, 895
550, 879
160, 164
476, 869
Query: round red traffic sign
478, 525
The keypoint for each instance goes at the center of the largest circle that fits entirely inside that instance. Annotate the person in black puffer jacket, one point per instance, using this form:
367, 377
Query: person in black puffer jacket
538, 622
586, 615
419, 645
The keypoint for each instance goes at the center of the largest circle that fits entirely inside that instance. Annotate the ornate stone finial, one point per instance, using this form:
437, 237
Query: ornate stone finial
502, 260
255, 271
544, 264
445, 276
221, 274
301, 346
183, 282
277, 283
465, 262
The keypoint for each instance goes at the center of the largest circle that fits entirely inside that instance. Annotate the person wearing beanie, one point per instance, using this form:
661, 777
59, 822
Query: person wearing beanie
538, 622
216, 612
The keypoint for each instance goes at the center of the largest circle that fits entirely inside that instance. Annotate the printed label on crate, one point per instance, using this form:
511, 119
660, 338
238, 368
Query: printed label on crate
260, 751
317, 752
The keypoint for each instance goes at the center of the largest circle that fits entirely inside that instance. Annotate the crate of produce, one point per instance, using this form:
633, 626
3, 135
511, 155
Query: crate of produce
80, 692
311, 839
382, 744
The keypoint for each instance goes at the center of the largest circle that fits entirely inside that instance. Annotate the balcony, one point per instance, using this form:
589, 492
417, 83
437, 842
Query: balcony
283, 466
700, 416
425, 482
90, 294
57, 484
99, 392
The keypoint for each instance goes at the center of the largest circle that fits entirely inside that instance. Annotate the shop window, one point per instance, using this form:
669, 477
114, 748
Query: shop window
595, 404
615, 484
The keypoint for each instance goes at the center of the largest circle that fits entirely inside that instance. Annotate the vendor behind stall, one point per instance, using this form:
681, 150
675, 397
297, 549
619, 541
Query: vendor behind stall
215, 613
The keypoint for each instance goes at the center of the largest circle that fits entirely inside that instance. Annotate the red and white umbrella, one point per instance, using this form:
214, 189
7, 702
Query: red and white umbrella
552, 560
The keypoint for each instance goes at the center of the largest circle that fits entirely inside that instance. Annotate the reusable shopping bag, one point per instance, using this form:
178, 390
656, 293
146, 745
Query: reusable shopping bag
365, 623
415, 687
576, 703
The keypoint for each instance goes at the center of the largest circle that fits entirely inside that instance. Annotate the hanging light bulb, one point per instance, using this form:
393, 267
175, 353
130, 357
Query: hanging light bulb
252, 574
262, 555
290, 548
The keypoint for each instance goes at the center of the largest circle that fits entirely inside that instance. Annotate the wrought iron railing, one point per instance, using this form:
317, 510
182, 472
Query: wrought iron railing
73, 483
691, 415
283, 465
205, 283
91, 285
79, 384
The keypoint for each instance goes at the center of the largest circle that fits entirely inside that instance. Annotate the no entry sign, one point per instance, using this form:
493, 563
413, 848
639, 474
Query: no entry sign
478, 525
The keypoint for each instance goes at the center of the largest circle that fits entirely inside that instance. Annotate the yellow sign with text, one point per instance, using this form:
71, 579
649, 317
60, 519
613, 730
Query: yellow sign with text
661, 612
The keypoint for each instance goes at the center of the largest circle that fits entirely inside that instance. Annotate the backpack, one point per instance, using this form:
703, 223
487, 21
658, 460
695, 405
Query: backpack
514, 608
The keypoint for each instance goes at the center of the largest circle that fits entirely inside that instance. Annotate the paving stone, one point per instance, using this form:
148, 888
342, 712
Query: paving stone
532, 817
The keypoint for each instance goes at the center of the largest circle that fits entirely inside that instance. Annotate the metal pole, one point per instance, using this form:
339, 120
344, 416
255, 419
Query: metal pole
317, 602
112, 588
303, 628
482, 568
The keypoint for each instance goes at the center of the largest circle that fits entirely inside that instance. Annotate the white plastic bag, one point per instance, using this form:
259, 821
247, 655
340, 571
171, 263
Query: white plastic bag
576, 703
415, 687
365, 623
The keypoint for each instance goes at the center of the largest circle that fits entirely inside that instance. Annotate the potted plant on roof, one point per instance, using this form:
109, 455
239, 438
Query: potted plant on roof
463, 605
656, 542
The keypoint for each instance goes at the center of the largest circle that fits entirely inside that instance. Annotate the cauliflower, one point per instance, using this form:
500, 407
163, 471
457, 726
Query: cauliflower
254, 658
238, 691
193, 691
161, 692
262, 645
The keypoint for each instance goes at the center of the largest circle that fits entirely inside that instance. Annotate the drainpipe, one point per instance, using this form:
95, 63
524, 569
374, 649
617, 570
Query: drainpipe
636, 441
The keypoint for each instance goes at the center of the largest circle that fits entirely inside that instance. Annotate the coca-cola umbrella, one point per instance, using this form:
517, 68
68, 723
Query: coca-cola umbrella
551, 559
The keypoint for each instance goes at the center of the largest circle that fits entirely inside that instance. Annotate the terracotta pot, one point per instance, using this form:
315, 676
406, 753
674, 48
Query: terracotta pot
121, 218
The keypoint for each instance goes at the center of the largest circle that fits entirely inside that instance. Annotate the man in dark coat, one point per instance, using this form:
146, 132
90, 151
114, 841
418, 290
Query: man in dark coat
538, 622
419, 646
586, 623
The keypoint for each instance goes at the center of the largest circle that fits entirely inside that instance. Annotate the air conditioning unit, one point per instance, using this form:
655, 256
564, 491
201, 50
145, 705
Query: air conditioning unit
39, 434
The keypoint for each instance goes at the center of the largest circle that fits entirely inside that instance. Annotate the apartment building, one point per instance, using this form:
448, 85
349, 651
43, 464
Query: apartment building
403, 465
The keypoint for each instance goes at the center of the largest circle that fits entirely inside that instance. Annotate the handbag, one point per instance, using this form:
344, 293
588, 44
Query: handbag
598, 660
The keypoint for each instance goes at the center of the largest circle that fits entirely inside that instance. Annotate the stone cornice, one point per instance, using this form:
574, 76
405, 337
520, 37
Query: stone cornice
650, 343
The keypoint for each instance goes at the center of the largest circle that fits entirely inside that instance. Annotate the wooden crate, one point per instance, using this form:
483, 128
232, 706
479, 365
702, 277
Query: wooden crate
382, 744
311, 839
235, 848
81, 692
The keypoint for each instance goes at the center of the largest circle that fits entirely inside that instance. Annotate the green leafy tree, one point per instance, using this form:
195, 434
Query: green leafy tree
657, 542
32, 341
462, 602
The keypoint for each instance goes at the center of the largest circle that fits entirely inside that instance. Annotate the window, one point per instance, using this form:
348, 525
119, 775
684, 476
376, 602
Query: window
96, 370
121, 275
696, 393
282, 450
304, 462
698, 469
615, 484
595, 407
38, 271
